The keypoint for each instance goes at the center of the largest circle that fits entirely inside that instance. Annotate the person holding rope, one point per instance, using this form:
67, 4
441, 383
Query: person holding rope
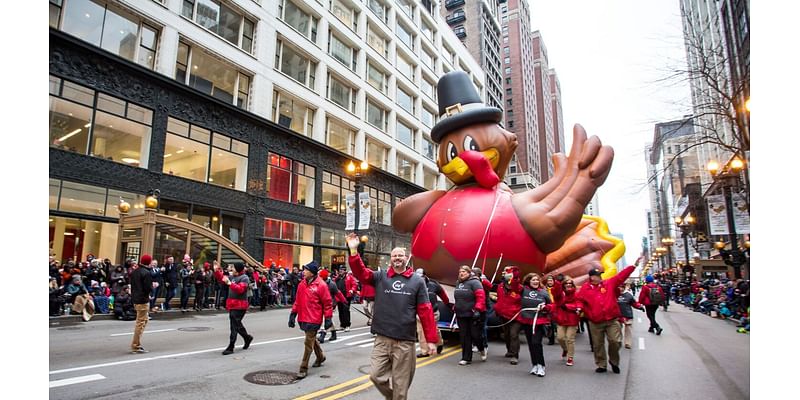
535, 315
507, 309
470, 311
400, 295
599, 301
566, 315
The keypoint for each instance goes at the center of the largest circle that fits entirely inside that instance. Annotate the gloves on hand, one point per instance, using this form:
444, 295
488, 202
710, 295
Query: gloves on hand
292, 318
328, 323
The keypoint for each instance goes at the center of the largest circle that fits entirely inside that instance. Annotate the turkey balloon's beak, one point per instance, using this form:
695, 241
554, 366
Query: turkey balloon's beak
473, 163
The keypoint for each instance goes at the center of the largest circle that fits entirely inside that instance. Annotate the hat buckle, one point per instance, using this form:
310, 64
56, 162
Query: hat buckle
454, 109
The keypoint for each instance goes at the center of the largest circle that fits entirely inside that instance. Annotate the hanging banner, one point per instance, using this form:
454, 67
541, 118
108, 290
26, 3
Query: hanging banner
679, 251
717, 215
741, 215
364, 212
682, 205
350, 201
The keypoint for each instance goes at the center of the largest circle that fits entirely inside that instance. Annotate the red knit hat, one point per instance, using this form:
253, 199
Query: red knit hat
324, 274
145, 259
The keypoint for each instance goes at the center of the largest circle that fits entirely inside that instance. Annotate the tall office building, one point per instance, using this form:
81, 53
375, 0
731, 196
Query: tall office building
548, 123
243, 114
476, 23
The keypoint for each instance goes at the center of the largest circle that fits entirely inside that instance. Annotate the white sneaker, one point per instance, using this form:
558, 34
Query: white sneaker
347, 329
534, 370
474, 349
484, 354
463, 362
541, 370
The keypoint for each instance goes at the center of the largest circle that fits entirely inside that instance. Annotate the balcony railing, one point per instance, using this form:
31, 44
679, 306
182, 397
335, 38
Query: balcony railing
456, 18
453, 3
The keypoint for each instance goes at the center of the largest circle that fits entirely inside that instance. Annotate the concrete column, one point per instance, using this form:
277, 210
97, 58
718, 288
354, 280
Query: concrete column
319, 125
58, 237
419, 176
361, 145
261, 96
148, 231
167, 54
108, 241
90, 237
392, 161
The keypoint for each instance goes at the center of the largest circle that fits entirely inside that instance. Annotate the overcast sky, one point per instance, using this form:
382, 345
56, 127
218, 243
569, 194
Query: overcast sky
609, 57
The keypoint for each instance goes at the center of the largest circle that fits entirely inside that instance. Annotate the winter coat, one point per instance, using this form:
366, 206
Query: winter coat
367, 291
313, 301
600, 301
644, 295
566, 306
531, 298
237, 293
351, 286
626, 303
509, 299
469, 297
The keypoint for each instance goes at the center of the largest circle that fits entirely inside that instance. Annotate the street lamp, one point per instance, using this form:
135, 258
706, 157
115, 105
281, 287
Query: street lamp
357, 171
728, 177
686, 225
668, 242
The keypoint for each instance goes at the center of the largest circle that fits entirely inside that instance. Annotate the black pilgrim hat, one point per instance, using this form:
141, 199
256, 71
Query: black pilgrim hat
460, 105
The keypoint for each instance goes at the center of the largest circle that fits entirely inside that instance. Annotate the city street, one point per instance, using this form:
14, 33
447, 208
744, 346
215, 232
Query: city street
695, 357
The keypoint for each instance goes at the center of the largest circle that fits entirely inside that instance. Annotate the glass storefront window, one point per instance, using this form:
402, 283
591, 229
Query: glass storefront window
83, 199
74, 239
289, 180
287, 255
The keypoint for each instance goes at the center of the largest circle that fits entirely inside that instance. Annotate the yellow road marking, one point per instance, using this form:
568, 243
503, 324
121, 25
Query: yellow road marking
446, 353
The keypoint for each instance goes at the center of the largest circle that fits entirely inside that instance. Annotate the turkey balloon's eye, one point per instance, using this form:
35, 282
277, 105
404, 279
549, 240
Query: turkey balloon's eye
470, 144
452, 153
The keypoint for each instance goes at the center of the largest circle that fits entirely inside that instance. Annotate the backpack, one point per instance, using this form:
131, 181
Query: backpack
656, 296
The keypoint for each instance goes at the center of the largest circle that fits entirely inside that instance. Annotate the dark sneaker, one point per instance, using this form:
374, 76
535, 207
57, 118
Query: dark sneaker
321, 337
600, 370
658, 331
650, 330
333, 336
563, 353
302, 374
615, 368
423, 355
508, 355
247, 341
439, 349
318, 363
140, 350
227, 351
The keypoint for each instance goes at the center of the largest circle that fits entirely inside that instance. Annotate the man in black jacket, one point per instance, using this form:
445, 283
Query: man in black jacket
171, 280
141, 286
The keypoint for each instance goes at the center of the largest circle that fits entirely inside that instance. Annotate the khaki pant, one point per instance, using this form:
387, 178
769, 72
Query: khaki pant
626, 326
392, 359
311, 344
566, 338
423, 343
141, 322
599, 332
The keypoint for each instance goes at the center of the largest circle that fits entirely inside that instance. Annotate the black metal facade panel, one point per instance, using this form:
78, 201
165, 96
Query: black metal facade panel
80, 62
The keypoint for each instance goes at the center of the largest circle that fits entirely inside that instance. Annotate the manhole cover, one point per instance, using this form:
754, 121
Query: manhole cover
271, 377
195, 329
69, 328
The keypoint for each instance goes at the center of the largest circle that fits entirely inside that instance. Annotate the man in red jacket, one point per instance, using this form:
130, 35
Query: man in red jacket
599, 300
312, 304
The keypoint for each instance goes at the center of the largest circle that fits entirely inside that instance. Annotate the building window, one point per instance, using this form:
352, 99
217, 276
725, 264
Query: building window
427, 58
405, 134
334, 190
340, 136
406, 168
377, 78
294, 64
290, 180
298, 19
381, 205
197, 153
428, 88
428, 148
406, 101
341, 93
378, 43
507, 60
377, 155
211, 76
427, 117
406, 6
379, 9
405, 67
294, 114
427, 30
508, 81
342, 52
448, 55
345, 13
219, 18
429, 181
405, 35
97, 124
376, 115
108, 27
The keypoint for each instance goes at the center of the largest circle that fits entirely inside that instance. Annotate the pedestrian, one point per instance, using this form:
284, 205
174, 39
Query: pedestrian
400, 295
199, 277
158, 278
566, 314
550, 329
507, 309
666, 288
368, 295
312, 305
470, 309
599, 303
345, 286
236, 303
185, 274
535, 316
651, 296
170, 280
435, 291
626, 303
141, 288
336, 298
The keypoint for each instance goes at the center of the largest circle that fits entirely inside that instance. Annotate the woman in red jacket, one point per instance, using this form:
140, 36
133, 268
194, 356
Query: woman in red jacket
651, 305
566, 314
236, 304
313, 303
507, 308
535, 299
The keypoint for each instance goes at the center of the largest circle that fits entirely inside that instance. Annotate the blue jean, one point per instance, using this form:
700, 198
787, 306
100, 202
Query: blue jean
169, 296
185, 296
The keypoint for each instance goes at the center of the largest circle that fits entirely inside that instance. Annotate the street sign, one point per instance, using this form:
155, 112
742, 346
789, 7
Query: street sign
364, 212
